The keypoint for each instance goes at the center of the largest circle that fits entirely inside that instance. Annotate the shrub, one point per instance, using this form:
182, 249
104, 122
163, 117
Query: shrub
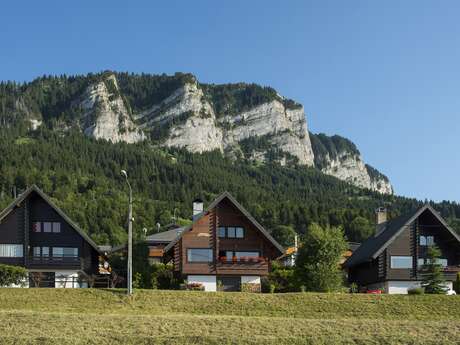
162, 277
416, 291
12, 275
282, 278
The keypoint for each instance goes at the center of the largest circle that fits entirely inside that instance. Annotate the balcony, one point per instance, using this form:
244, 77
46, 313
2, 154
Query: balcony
242, 265
67, 262
451, 269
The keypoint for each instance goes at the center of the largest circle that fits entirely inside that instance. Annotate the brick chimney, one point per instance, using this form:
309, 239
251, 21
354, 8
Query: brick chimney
197, 208
381, 216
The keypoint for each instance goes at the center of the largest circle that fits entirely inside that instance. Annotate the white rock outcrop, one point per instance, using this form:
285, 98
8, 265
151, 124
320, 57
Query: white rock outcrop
198, 131
106, 116
351, 168
286, 127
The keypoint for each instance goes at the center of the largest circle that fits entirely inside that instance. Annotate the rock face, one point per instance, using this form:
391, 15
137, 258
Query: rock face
286, 129
190, 119
194, 125
351, 168
105, 114
339, 157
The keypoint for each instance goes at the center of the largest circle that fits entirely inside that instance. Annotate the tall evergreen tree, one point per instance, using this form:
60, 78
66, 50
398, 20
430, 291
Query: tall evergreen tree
433, 279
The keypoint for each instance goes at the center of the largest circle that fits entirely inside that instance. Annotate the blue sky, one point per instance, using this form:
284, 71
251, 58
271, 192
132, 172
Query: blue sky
384, 74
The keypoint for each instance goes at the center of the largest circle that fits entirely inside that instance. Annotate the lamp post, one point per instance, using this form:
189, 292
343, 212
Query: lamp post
130, 237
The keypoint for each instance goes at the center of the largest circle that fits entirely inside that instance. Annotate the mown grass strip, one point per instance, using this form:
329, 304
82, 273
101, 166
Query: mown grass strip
300, 305
74, 328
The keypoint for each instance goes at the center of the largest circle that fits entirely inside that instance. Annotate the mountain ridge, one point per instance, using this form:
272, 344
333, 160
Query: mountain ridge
240, 120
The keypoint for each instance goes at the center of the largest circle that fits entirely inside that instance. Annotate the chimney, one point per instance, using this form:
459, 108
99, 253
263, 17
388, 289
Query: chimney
381, 216
197, 208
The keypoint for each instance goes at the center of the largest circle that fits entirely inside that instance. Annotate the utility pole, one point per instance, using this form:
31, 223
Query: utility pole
130, 238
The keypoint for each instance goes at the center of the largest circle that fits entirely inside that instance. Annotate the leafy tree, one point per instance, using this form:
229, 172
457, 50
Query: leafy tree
317, 264
433, 278
12, 275
359, 229
284, 235
282, 278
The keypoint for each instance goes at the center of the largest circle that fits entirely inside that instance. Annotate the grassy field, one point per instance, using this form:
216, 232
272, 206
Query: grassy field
58, 316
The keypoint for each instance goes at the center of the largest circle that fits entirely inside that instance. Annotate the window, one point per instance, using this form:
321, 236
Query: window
45, 251
231, 232
221, 232
36, 227
442, 262
36, 251
240, 255
199, 255
70, 252
56, 227
229, 255
401, 262
423, 240
421, 262
47, 227
426, 240
11, 250
58, 252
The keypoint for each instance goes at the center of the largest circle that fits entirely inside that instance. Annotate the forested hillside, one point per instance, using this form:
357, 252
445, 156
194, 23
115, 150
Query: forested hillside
177, 111
83, 177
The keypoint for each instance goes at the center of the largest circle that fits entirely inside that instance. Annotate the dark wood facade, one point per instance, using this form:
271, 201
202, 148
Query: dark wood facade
203, 234
406, 241
50, 240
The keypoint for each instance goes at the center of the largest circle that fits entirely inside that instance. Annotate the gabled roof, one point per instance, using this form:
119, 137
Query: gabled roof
227, 195
389, 231
165, 236
17, 202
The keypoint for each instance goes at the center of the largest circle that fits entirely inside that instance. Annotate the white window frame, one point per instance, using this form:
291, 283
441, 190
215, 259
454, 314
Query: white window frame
405, 257
210, 255
11, 250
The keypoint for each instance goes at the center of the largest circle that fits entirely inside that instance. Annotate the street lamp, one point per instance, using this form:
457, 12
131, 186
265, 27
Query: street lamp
130, 237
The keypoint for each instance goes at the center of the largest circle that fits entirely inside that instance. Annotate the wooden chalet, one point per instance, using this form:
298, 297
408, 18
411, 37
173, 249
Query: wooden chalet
392, 259
224, 249
37, 235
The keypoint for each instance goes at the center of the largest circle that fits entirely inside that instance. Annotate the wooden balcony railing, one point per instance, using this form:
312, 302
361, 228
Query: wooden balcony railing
451, 269
243, 260
67, 261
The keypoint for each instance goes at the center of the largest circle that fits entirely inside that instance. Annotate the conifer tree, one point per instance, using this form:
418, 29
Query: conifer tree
433, 279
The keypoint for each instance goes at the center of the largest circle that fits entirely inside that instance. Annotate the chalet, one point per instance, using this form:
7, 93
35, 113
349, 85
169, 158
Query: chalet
391, 260
37, 235
224, 248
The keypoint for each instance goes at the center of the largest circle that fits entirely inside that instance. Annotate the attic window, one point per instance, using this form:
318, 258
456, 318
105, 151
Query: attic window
426, 240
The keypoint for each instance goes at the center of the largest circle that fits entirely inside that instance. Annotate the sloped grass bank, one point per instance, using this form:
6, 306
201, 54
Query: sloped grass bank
58, 316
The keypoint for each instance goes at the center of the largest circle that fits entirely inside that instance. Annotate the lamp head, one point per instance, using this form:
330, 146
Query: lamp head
124, 173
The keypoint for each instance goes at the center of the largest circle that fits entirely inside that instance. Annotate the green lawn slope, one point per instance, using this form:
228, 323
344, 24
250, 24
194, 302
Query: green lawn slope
58, 316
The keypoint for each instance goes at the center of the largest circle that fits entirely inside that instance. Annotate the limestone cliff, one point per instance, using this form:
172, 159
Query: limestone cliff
105, 115
339, 157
